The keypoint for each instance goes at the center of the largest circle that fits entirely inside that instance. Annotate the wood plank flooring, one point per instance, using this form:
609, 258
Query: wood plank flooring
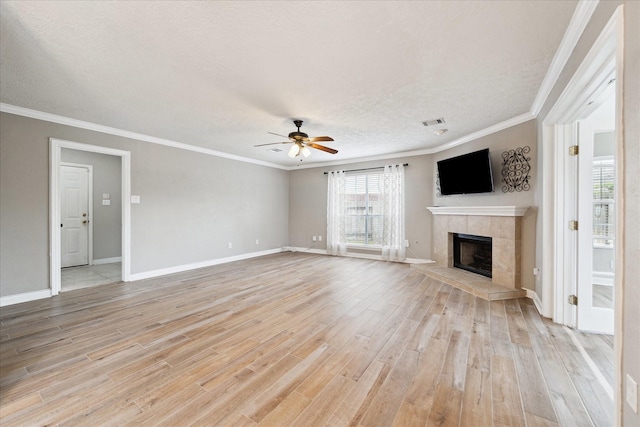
291, 340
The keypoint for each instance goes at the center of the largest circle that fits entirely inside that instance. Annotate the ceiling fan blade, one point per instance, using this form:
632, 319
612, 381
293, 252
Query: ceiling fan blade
277, 134
320, 139
321, 148
273, 143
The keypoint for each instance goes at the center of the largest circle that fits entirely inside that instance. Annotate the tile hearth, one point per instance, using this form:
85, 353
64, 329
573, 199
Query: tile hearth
475, 284
503, 225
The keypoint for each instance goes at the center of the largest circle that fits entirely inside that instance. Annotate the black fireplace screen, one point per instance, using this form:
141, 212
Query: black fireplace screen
472, 253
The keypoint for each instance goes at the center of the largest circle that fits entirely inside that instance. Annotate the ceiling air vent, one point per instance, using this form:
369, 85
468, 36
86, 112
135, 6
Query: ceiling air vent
434, 122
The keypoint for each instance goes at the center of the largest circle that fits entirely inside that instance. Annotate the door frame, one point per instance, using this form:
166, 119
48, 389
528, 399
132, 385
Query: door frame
603, 61
55, 152
89, 208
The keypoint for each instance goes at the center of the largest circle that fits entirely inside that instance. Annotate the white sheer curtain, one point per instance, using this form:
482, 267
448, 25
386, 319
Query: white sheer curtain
393, 240
336, 221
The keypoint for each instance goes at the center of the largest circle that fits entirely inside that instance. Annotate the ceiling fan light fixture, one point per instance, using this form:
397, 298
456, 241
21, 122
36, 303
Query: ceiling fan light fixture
294, 151
305, 151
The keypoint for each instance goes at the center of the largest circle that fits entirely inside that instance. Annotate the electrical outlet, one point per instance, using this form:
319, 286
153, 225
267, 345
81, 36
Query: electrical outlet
257, 241
320, 238
536, 271
632, 393
230, 245
406, 243
314, 238
106, 202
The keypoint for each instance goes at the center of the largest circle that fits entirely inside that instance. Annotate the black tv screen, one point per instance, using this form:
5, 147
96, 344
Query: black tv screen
466, 174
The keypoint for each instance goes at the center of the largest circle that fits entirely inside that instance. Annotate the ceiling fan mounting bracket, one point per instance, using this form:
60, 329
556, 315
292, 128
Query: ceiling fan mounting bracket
298, 136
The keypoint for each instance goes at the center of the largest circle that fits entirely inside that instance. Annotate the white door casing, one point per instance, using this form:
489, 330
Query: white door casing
580, 98
75, 214
55, 161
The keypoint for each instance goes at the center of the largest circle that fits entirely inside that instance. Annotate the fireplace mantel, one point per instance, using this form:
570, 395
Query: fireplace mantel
479, 210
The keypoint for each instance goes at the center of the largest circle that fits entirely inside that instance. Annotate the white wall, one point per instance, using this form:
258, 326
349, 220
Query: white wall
192, 205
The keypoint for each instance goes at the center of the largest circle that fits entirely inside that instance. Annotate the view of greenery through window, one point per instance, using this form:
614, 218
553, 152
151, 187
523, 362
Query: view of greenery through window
603, 202
364, 209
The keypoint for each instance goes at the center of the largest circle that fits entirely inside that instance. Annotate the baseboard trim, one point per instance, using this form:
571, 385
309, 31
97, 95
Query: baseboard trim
354, 255
209, 263
107, 260
536, 300
25, 297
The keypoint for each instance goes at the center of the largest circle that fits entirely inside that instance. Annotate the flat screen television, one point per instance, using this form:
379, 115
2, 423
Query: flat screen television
466, 174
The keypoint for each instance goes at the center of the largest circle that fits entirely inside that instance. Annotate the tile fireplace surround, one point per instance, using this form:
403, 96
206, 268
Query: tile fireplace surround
502, 223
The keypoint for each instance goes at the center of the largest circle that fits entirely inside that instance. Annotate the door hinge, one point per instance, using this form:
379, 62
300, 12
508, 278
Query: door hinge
573, 225
573, 150
573, 299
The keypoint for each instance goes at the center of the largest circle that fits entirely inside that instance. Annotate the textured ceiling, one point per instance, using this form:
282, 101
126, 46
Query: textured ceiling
220, 75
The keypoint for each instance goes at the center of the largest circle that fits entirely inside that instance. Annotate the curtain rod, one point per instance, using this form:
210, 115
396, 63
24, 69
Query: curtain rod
367, 169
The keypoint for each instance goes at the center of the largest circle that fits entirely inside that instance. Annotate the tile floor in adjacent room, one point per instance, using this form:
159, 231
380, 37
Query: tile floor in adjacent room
86, 276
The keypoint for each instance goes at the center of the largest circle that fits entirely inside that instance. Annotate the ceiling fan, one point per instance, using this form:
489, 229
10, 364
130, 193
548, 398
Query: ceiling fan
301, 141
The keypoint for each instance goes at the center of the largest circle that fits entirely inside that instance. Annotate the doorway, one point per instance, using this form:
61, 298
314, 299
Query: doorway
596, 217
91, 218
122, 196
589, 88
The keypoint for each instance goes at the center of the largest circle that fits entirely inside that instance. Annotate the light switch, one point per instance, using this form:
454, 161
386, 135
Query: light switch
135, 199
106, 202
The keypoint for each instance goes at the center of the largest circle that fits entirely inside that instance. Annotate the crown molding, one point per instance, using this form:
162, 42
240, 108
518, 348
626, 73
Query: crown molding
54, 118
463, 140
579, 20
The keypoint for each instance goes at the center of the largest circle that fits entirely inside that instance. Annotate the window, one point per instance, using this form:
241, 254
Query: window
367, 210
603, 202
364, 209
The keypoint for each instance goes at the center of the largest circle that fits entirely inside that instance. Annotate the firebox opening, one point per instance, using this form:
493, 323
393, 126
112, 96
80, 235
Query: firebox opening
472, 253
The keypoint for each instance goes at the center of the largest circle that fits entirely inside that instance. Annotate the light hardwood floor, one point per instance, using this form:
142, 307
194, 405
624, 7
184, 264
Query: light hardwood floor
291, 339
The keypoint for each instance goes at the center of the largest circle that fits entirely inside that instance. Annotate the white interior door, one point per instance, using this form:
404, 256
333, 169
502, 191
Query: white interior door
74, 215
596, 204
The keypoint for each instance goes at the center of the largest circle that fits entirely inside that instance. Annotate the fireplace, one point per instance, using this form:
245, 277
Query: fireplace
472, 253
502, 224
